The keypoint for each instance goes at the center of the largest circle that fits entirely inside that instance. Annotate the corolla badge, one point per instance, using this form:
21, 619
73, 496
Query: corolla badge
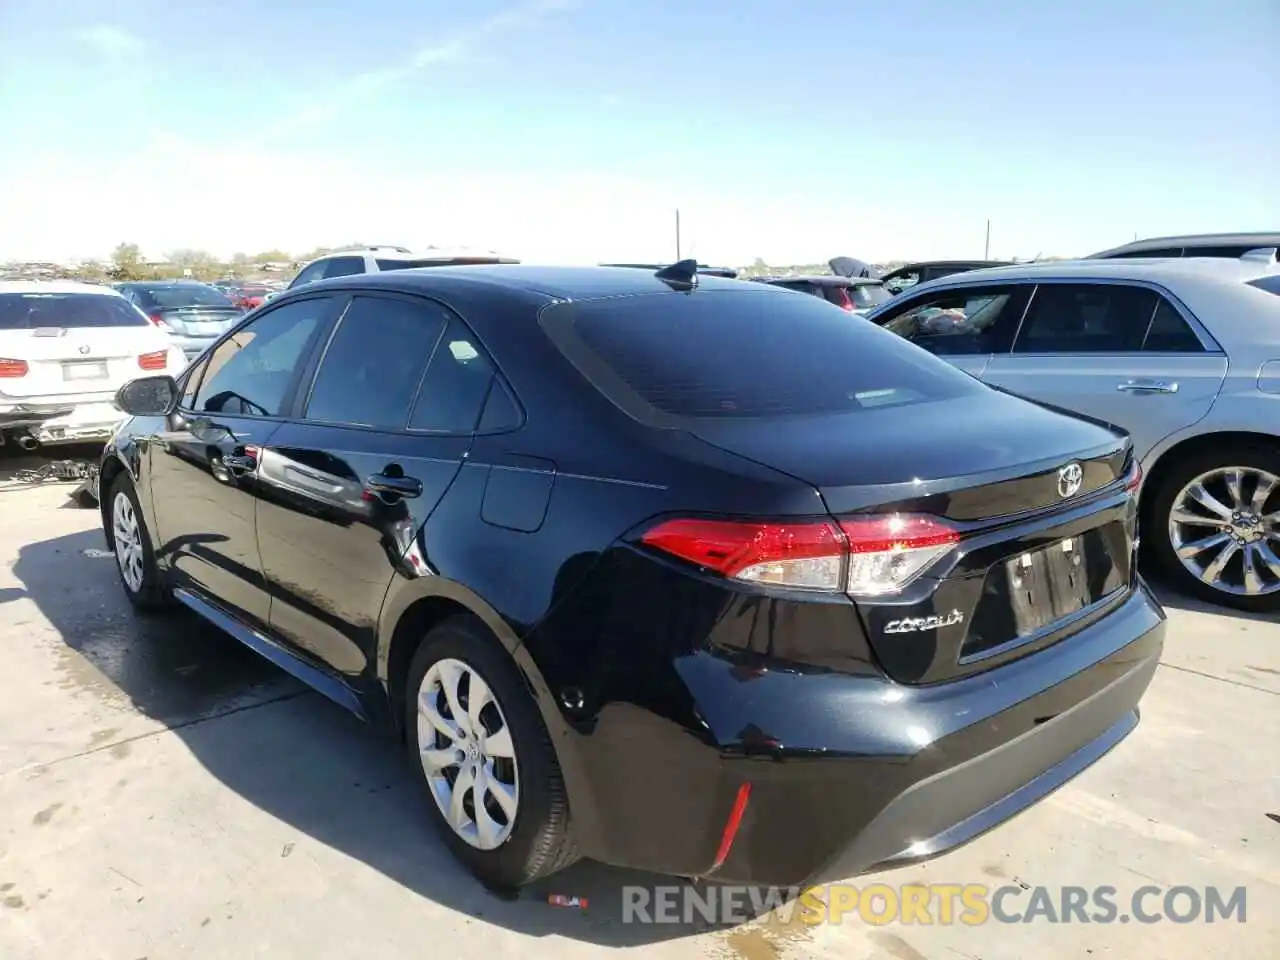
916, 624
1070, 480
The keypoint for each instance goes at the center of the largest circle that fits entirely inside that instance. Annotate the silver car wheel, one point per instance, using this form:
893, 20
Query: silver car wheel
1225, 529
128, 541
467, 754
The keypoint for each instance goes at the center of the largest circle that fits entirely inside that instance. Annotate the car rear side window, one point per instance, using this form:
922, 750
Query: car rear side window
456, 385
248, 374
343, 267
373, 364
868, 295
963, 321
80, 311
1086, 318
1169, 333
725, 355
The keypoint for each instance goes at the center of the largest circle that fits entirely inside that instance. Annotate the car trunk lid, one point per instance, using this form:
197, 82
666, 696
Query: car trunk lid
1044, 525
78, 363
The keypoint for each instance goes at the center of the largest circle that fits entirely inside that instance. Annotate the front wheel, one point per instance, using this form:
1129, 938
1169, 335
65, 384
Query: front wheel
1216, 527
135, 558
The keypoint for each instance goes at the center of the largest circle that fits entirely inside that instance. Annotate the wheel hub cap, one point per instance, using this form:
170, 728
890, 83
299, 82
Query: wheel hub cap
468, 754
1225, 530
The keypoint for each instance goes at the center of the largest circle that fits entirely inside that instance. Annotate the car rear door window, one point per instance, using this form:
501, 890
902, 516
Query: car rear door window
731, 354
343, 267
1086, 318
456, 384
373, 365
1170, 333
310, 275
249, 373
963, 321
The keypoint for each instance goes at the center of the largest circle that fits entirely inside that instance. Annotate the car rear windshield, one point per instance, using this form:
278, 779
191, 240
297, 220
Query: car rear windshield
31, 311
731, 354
186, 295
867, 295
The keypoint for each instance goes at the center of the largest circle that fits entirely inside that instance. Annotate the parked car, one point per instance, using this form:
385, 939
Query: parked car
347, 263
1231, 245
65, 349
598, 555
1183, 354
908, 275
249, 296
195, 314
856, 295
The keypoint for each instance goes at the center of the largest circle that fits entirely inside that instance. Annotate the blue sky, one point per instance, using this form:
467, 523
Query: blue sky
571, 129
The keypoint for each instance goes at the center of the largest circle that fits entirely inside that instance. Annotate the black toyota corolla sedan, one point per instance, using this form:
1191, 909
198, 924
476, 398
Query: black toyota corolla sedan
676, 572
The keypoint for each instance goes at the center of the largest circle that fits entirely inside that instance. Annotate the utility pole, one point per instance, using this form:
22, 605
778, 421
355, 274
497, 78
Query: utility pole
677, 234
986, 249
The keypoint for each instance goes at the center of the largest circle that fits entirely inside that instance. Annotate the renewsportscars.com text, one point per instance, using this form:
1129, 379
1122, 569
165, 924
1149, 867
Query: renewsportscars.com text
970, 904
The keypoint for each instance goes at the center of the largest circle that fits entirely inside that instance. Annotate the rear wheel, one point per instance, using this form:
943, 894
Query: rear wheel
484, 758
135, 558
1216, 527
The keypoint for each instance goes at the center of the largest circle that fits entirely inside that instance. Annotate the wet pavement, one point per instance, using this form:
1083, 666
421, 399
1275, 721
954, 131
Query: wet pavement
166, 793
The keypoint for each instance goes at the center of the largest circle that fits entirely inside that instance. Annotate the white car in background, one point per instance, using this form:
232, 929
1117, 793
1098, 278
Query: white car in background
65, 349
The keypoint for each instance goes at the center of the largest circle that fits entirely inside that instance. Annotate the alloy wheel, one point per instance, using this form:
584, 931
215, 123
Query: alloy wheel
128, 541
468, 754
1225, 529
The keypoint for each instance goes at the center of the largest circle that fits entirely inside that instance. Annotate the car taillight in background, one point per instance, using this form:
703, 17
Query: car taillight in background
863, 556
157, 320
12, 369
1133, 479
154, 361
844, 303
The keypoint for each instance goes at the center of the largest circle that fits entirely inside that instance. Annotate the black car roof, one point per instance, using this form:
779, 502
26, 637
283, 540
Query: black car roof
824, 280
539, 283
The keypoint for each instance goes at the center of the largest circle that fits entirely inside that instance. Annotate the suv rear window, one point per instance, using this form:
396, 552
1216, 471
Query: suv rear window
722, 354
29, 311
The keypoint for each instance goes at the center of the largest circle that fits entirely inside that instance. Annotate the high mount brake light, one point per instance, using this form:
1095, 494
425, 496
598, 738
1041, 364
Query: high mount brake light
863, 556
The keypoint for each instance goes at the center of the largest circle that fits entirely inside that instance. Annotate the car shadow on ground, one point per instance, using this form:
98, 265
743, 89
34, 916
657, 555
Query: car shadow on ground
1174, 600
296, 756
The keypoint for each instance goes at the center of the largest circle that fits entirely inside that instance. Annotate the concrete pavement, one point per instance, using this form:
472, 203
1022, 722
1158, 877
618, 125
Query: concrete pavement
164, 793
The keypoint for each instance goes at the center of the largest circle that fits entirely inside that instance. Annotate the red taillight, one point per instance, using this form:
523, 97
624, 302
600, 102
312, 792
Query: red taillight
865, 556
154, 361
806, 555
12, 369
1133, 479
845, 303
158, 321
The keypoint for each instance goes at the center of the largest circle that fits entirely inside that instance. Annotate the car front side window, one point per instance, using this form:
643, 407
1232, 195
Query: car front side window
966, 320
249, 373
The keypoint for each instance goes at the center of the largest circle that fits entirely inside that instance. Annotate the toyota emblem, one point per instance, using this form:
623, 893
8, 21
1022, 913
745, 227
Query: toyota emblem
1070, 480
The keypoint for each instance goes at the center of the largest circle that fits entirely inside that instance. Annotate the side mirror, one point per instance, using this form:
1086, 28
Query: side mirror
148, 397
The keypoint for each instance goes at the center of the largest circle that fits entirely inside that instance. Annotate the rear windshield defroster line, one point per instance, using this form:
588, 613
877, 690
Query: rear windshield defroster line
666, 359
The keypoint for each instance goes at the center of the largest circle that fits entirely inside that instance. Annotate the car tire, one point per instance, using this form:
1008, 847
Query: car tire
131, 544
1252, 528
504, 846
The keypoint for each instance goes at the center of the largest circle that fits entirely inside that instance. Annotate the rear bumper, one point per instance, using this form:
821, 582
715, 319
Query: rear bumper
53, 423
854, 773
192, 347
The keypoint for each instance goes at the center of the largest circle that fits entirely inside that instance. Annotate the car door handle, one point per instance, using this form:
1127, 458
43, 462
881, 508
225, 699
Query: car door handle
381, 483
1147, 386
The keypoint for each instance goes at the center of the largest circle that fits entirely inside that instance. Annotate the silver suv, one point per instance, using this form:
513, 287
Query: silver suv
345, 263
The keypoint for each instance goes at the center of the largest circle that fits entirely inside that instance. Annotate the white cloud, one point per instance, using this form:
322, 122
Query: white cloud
111, 42
459, 46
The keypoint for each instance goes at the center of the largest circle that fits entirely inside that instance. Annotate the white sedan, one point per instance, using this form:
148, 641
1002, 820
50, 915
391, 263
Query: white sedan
65, 349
